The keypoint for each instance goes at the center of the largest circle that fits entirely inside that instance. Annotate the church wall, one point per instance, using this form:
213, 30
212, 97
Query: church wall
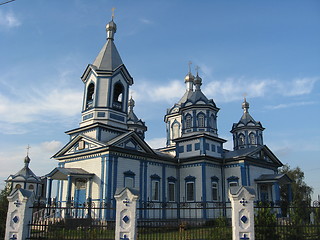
188, 148
127, 164
230, 172
213, 148
106, 135
153, 169
215, 172
191, 170
255, 172
91, 165
103, 85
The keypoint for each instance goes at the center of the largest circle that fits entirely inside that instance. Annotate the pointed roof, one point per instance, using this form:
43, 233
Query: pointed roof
108, 58
246, 119
25, 174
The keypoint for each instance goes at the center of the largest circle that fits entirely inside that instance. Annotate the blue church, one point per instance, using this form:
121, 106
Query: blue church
108, 150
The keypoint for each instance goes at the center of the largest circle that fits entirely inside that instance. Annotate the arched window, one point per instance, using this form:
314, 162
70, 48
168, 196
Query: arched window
188, 121
200, 120
90, 95
252, 138
175, 130
31, 187
18, 186
241, 140
117, 96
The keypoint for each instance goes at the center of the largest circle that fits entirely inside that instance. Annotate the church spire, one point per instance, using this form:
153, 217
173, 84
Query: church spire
109, 58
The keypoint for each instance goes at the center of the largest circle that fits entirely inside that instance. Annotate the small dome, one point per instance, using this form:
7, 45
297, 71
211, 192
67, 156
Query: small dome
198, 80
245, 105
189, 77
111, 26
27, 159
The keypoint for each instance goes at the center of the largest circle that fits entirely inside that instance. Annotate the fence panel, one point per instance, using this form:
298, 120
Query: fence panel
182, 221
290, 223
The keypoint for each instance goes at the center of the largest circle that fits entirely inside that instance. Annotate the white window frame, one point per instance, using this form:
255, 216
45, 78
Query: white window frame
155, 193
214, 188
173, 185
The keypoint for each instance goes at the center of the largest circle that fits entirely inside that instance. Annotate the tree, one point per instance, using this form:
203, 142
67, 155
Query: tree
301, 193
3, 209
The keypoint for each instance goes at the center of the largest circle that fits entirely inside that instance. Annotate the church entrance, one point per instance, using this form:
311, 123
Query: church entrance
80, 192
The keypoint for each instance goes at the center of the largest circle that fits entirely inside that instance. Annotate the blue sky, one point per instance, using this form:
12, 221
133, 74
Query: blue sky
267, 49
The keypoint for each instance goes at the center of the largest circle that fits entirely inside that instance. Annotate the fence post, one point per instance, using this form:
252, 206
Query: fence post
242, 212
19, 214
126, 214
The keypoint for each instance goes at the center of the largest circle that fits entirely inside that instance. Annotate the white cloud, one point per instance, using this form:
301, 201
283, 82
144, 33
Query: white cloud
146, 21
36, 104
9, 20
227, 90
288, 105
40, 154
301, 86
167, 92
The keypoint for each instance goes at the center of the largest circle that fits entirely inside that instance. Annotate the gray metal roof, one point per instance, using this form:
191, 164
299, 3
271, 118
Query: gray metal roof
62, 173
282, 178
242, 152
108, 58
25, 174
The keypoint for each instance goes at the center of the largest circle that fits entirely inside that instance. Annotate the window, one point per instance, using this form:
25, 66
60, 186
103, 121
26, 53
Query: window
214, 188
128, 182
201, 120
129, 179
171, 191
190, 191
117, 96
18, 186
90, 94
155, 190
189, 147
175, 130
252, 138
155, 187
188, 121
31, 187
241, 140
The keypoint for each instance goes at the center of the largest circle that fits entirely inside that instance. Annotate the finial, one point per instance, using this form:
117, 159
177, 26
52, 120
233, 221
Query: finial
112, 16
189, 64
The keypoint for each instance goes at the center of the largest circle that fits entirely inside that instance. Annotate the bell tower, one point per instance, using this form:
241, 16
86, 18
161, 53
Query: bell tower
106, 86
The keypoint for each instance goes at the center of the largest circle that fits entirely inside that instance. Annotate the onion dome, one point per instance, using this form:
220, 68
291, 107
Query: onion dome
189, 78
197, 82
111, 29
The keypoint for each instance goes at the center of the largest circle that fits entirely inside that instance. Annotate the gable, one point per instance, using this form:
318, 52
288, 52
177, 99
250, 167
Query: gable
79, 144
264, 154
131, 141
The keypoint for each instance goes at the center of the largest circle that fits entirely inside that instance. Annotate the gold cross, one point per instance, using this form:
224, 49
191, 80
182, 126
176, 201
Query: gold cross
113, 13
28, 147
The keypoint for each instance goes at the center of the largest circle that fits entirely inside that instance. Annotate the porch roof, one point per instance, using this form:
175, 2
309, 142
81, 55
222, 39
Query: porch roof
60, 173
270, 178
